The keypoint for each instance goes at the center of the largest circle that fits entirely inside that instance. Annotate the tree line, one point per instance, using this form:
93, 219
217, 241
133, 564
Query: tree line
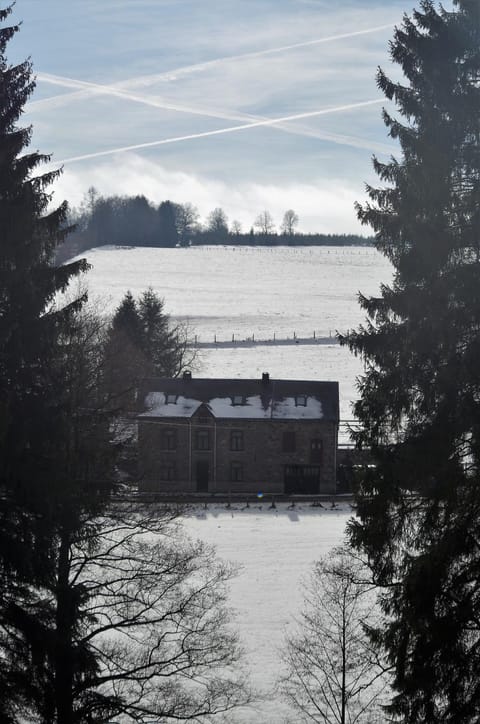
136, 221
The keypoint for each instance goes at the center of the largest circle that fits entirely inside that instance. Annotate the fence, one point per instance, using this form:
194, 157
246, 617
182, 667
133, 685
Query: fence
235, 341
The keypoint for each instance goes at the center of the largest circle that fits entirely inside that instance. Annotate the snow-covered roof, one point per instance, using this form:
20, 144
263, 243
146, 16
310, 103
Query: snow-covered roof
239, 399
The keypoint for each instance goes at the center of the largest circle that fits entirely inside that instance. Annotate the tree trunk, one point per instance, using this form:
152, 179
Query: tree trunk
64, 627
344, 662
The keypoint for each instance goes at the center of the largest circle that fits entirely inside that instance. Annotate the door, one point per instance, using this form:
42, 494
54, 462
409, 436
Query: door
302, 479
202, 476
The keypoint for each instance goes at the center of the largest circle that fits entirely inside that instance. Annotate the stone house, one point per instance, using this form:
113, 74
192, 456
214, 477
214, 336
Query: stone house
238, 436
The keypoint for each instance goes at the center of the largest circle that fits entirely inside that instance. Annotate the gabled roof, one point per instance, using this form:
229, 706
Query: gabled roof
247, 399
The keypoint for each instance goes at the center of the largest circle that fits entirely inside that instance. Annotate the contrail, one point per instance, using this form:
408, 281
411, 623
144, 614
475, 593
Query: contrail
270, 51
221, 131
152, 101
166, 104
86, 89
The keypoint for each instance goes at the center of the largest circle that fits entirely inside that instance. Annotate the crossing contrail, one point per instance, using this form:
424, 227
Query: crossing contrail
151, 101
166, 104
87, 89
221, 131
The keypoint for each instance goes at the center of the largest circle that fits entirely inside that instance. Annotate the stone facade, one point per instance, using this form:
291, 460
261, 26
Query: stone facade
207, 453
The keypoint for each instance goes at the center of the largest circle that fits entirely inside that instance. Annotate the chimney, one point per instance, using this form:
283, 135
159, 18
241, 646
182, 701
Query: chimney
187, 376
265, 378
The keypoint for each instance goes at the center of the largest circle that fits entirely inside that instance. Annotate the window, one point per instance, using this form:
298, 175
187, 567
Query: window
236, 440
202, 440
168, 470
316, 448
288, 441
170, 399
168, 440
236, 472
301, 400
238, 400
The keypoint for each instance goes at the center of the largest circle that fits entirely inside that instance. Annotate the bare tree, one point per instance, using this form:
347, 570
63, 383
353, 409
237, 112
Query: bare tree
136, 627
154, 615
333, 673
289, 222
217, 226
130, 622
217, 221
186, 221
236, 227
264, 223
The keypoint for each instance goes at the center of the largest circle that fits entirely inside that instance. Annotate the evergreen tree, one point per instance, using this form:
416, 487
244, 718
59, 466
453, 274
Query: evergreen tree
127, 321
29, 326
59, 560
159, 341
142, 343
419, 507
46, 454
167, 230
125, 359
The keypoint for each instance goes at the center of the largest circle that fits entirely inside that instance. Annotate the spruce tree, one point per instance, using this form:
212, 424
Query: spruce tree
160, 341
32, 394
167, 230
142, 343
419, 406
29, 281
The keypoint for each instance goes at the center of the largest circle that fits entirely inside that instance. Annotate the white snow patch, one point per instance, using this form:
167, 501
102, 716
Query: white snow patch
288, 409
253, 408
157, 406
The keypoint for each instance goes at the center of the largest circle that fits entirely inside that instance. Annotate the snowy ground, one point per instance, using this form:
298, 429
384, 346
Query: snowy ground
253, 291
259, 291
275, 548
245, 290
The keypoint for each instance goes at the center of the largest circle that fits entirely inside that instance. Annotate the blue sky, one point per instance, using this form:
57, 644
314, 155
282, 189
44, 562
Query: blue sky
141, 96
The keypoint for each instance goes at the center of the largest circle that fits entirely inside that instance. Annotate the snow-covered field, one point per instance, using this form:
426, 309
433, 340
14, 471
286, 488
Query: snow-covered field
253, 292
275, 549
256, 292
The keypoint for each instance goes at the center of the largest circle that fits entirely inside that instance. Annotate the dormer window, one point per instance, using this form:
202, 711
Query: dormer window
170, 399
238, 400
301, 401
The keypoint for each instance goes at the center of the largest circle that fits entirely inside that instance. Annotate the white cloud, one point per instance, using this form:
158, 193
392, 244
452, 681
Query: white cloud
83, 89
170, 80
326, 206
